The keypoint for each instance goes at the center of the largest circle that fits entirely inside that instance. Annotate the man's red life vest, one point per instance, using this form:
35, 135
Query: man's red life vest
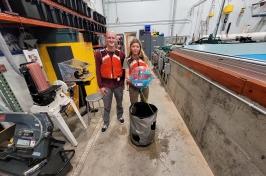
133, 63
111, 67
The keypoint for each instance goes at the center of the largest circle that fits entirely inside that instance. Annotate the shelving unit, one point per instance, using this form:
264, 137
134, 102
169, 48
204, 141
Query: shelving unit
58, 6
28, 21
10, 18
97, 46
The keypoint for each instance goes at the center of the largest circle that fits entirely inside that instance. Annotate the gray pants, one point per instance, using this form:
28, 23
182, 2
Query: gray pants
134, 94
107, 101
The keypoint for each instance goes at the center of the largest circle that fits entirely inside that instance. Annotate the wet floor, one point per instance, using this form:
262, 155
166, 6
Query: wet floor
111, 153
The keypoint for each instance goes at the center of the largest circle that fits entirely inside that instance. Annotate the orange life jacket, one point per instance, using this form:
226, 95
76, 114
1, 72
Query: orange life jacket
133, 63
111, 67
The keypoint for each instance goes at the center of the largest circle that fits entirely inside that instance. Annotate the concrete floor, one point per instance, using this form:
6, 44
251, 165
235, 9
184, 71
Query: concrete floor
174, 151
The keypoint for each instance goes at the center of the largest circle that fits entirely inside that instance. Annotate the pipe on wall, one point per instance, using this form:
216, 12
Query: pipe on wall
219, 20
257, 36
196, 5
173, 18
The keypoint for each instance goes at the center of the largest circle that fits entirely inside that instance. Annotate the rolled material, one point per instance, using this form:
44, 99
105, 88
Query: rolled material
38, 77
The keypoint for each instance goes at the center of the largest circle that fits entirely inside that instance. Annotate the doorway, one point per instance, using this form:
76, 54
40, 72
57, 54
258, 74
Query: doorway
128, 37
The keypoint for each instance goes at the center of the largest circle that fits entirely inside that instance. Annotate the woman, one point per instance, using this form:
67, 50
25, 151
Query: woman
135, 59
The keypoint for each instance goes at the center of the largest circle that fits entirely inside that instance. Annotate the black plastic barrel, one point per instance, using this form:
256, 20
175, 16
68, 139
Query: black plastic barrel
142, 123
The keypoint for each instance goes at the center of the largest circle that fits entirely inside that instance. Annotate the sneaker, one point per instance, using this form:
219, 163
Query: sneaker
93, 110
104, 128
121, 120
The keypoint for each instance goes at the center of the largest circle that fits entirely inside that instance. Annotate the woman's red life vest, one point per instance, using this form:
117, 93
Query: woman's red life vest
133, 63
111, 67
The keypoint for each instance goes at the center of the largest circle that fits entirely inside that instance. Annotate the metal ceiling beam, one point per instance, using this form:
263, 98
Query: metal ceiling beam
142, 23
125, 1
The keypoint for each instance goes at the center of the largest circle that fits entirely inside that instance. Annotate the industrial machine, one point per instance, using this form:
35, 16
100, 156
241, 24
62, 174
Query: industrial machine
74, 70
27, 146
30, 137
42, 93
49, 99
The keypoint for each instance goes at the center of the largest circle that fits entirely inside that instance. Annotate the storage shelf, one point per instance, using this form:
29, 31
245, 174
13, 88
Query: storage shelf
98, 33
58, 6
22, 20
97, 46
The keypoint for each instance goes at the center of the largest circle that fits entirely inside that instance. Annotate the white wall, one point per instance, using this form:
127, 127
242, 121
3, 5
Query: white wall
96, 5
239, 23
131, 16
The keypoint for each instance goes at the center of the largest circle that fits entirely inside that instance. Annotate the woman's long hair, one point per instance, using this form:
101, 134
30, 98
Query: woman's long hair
142, 54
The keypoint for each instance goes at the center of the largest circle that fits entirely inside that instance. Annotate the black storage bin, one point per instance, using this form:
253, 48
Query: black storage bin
80, 6
74, 5
53, 15
142, 123
79, 22
95, 39
42, 11
101, 19
85, 26
66, 20
59, 16
47, 13
26, 8
98, 28
71, 20
94, 27
84, 9
89, 26
88, 12
102, 30
69, 4
64, 3
75, 21
87, 35
94, 15
104, 20
57, 35
50, 14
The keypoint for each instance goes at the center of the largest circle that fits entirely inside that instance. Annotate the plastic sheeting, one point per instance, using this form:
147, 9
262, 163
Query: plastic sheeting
142, 123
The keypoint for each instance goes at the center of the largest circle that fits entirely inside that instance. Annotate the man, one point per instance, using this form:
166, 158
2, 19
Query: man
110, 77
